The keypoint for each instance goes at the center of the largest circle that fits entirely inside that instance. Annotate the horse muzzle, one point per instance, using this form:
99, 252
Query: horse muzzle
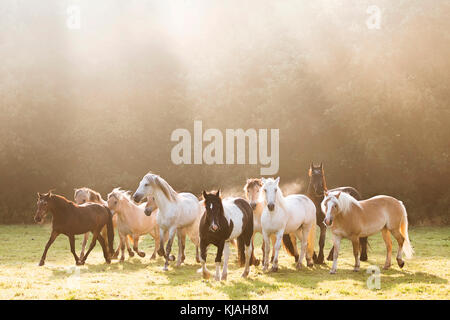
148, 211
328, 222
271, 206
213, 228
253, 205
137, 197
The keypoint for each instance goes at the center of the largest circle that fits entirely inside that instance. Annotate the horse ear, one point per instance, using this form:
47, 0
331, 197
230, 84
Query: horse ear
311, 165
263, 180
39, 195
321, 165
277, 180
204, 194
218, 193
326, 193
337, 196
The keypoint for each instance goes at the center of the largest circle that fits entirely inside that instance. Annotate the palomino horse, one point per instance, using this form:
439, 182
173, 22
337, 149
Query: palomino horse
295, 213
178, 212
132, 221
224, 220
84, 195
71, 219
254, 195
316, 190
353, 219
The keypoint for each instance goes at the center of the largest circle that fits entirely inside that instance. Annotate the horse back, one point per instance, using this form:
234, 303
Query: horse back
350, 190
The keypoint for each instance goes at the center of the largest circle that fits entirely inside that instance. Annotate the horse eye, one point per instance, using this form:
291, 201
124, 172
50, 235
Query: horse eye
146, 184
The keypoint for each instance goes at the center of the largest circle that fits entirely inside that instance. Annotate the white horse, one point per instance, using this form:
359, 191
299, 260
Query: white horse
295, 213
132, 221
178, 212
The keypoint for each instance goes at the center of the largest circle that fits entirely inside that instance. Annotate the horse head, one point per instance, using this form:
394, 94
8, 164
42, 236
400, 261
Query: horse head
317, 179
214, 210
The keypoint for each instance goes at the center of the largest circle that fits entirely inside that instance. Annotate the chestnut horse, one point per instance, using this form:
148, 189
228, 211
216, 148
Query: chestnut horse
71, 219
353, 219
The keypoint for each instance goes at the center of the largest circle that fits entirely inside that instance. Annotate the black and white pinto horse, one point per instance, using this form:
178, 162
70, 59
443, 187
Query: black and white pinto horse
223, 221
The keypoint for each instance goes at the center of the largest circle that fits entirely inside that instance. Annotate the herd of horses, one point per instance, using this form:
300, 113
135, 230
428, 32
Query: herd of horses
228, 221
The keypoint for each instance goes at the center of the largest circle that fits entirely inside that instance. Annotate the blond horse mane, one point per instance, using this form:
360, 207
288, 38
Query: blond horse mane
343, 199
93, 195
118, 193
158, 182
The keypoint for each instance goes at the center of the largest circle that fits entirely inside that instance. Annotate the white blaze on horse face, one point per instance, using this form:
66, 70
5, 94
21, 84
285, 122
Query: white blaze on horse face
330, 206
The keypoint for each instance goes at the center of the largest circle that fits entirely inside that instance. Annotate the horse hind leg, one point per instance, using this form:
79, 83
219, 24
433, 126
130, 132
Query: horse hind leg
83, 244
169, 248
388, 241
400, 239
355, 243
181, 236
104, 248
363, 246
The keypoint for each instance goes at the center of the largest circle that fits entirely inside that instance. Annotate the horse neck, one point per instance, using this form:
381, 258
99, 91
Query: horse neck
130, 213
161, 200
60, 207
279, 198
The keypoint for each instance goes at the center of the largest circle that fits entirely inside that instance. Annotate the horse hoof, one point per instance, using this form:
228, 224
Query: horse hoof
41, 263
161, 252
217, 278
131, 254
153, 256
108, 261
141, 254
224, 276
401, 263
310, 264
206, 275
274, 269
386, 267
330, 258
363, 258
332, 271
356, 269
197, 259
171, 257
299, 266
78, 263
245, 274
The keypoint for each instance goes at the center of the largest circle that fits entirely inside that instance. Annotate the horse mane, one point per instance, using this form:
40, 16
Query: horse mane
157, 182
62, 201
345, 201
119, 193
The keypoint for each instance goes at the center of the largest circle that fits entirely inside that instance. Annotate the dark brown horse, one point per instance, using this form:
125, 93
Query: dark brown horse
71, 219
316, 192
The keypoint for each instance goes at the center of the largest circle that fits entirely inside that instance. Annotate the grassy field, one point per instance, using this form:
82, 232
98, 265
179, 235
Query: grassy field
426, 276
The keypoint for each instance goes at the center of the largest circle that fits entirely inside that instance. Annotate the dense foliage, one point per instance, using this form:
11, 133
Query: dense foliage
95, 107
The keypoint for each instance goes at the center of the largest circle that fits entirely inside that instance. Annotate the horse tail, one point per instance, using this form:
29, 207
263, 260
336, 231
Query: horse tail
110, 231
404, 231
311, 238
289, 246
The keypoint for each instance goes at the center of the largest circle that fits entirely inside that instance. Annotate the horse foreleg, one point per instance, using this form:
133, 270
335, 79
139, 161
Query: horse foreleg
135, 246
203, 253
130, 252
169, 247
277, 250
219, 259
156, 238
83, 244
320, 258
162, 239
302, 235
337, 244
266, 250
72, 248
123, 240
226, 255
49, 243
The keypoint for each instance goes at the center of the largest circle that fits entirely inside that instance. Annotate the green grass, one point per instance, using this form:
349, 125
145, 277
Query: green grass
426, 276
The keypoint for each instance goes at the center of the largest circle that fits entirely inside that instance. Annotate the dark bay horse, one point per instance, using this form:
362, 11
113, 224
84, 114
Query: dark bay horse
71, 219
316, 192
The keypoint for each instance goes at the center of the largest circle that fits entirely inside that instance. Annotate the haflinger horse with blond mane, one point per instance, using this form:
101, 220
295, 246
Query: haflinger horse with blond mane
85, 195
353, 219
132, 222
178, 213
295, 213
